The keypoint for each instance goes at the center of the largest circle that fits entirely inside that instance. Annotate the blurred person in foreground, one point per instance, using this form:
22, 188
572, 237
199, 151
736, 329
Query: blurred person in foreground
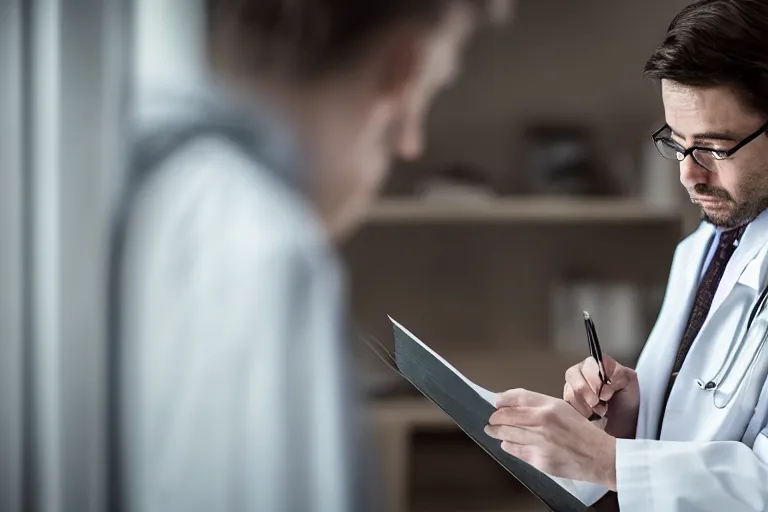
228, 295
687, 430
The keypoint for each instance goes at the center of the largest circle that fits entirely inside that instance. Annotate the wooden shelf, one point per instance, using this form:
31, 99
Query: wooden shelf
522, 209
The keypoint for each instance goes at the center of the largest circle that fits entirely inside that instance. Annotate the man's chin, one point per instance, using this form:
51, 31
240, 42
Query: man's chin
718, 218
727, 218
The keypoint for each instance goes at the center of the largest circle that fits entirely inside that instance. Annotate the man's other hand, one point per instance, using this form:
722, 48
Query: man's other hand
550, 435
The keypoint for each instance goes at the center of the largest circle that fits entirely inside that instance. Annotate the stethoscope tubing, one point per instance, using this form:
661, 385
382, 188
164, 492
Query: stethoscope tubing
734, 351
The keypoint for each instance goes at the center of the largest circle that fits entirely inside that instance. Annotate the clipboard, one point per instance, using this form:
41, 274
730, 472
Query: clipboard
469, 406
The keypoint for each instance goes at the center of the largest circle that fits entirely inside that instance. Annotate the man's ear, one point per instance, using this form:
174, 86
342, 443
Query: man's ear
400, 59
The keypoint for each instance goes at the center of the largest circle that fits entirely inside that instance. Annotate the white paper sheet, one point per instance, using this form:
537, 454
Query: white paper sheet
489, 396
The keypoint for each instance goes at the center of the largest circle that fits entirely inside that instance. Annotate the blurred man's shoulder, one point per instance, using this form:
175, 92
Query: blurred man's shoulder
216, 193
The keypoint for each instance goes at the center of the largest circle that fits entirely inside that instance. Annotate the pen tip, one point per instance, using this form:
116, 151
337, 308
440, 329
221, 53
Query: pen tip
586, 315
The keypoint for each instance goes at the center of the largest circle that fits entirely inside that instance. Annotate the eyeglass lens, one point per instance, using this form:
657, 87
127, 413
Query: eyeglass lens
671, 151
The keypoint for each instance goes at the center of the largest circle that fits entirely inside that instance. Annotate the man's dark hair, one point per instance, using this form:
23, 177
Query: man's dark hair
307, 38
718, 43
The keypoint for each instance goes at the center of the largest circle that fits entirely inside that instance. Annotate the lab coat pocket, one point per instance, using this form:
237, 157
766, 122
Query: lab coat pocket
745, 370
761, 446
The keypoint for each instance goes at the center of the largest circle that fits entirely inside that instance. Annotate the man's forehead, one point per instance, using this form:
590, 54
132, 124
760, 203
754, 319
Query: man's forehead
713, 113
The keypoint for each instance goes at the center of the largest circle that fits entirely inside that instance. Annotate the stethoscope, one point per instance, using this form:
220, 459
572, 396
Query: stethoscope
734, 350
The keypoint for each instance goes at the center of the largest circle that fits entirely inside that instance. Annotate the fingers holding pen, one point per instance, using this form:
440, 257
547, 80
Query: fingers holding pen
583, 389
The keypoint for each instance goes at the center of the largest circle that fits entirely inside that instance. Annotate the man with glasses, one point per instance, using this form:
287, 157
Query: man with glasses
687, 429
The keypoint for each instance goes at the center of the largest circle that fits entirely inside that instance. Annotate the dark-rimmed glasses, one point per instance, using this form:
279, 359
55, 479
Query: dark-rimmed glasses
707, 158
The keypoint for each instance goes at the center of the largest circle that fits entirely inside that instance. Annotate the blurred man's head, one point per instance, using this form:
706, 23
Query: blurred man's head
355, 77
713, 68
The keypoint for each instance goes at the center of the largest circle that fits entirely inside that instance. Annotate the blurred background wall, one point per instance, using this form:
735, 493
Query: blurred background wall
538, 197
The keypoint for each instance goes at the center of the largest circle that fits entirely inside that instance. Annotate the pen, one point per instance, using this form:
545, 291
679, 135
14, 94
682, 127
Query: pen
596, 352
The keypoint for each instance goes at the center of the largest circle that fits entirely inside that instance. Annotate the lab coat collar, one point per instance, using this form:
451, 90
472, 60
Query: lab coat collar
696, 251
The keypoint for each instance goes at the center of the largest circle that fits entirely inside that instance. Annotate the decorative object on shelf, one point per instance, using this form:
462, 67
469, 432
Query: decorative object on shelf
562, 160
616, 306
458, 182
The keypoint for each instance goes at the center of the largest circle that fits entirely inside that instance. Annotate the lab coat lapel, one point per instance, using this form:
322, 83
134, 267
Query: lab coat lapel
663, 344
691, 262
752, 241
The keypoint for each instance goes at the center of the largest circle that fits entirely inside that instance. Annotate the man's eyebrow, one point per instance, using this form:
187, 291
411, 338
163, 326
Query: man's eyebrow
719, 136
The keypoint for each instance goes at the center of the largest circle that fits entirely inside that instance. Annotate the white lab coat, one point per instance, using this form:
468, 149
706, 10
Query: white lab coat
233, 361
707, 458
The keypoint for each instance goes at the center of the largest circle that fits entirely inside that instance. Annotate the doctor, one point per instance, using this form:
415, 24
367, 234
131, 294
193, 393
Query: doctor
687, 430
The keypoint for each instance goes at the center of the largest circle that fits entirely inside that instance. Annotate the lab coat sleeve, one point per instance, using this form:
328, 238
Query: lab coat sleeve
692, 476
292, 419
314, 415
588, 493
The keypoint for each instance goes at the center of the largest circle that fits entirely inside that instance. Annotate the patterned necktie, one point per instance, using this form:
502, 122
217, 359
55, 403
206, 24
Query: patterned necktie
726, 246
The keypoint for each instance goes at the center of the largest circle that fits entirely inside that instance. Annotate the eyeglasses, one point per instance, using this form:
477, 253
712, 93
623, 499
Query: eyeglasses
708, 158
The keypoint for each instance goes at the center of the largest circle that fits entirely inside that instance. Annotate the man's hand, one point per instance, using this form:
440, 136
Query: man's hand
617, 402
550, 435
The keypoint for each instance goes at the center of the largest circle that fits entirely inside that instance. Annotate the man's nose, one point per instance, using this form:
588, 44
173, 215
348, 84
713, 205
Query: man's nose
692, 173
